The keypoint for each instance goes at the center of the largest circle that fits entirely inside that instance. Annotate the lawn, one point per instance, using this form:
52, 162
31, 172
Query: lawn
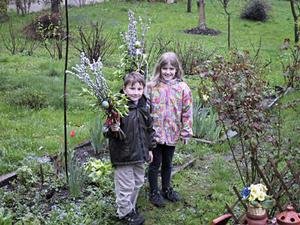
37, 80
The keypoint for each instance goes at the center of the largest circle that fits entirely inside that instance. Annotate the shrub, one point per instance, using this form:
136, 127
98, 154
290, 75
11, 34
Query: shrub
94, 43
26, 97
191, 54
256, 10
45, 26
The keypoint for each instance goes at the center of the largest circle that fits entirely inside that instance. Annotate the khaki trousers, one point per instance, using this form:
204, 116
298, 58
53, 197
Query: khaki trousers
128, 181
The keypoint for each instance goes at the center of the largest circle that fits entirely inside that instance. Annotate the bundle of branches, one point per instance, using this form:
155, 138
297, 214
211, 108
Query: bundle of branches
133, 56
114, 104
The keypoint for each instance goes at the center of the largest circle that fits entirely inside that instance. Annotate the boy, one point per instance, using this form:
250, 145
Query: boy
129, 154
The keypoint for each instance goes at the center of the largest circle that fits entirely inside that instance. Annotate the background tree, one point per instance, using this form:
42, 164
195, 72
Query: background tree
3, 10
202, 28
224, 4
189, 6
55, 6
295, 8
202, 18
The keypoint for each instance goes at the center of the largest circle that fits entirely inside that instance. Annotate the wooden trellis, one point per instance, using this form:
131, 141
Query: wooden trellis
283, 184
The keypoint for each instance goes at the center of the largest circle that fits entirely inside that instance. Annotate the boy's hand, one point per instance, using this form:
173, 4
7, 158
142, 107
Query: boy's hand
115, 127
150, 157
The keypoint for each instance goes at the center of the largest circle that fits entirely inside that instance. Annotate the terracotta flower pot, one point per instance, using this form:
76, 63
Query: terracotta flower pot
256, 211
256, 216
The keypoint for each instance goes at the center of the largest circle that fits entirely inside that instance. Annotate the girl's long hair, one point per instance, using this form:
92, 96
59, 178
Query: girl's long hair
167, 57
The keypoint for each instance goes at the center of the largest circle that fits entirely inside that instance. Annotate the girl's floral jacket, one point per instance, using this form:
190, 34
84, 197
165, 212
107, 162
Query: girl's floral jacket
172, 111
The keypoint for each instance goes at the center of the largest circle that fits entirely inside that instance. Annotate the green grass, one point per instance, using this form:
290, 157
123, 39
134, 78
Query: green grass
206, 187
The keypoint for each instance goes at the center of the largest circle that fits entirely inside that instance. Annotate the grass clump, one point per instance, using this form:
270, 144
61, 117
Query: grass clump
27, 97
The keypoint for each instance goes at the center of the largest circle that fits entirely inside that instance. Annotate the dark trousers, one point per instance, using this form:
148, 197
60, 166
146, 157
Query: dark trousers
162, 156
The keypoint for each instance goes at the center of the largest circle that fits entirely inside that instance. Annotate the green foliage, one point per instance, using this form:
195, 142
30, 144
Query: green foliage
27, 97
179, 158
97, 138
96, 208
76, 177
205, 123
26, 176
290, 61
99, 172
5, 217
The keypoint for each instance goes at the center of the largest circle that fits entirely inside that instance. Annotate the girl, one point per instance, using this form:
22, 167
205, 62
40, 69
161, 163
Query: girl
171, 100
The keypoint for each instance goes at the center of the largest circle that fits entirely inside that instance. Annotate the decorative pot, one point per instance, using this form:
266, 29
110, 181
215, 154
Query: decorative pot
256, 216
288, 217
256, 211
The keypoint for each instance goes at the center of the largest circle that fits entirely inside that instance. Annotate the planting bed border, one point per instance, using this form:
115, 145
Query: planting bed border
189, 161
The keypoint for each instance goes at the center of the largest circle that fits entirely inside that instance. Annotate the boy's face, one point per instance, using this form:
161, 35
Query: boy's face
134, 91
168, 72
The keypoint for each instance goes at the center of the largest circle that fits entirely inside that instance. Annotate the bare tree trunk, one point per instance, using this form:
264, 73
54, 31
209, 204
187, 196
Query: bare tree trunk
295, 16
224, 4
202, 19
189, 6
55, 6
228, 29
3, 10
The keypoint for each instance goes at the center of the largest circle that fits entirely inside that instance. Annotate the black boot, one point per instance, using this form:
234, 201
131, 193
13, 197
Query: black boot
133, 218
171, 195
156, 199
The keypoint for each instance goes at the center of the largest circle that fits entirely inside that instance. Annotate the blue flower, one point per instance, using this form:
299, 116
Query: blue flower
245, 192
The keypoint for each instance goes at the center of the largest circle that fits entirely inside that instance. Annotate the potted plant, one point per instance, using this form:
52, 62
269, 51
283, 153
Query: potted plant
258, 201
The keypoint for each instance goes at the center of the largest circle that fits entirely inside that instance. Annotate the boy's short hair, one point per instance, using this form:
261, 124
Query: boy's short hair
134, 77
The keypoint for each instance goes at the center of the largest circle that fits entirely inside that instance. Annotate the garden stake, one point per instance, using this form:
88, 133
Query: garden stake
65, 91
236, 220
232, 151
239, 197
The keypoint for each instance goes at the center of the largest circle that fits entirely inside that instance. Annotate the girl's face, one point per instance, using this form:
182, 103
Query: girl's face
168, 72
134, 91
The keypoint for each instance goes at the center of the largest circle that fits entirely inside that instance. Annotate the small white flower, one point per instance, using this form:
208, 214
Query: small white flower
138, 51
137, 44
205, 97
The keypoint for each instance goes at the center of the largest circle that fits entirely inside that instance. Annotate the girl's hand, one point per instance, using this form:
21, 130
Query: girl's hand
115, 127
150, 157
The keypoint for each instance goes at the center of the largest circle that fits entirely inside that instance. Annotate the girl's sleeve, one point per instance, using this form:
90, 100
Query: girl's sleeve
187, 113
150, 129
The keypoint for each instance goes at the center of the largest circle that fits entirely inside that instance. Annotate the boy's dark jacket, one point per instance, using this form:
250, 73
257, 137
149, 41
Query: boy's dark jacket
138, 129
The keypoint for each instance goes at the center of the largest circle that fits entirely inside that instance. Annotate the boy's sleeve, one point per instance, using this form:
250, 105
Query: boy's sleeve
187, 114
106, 131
